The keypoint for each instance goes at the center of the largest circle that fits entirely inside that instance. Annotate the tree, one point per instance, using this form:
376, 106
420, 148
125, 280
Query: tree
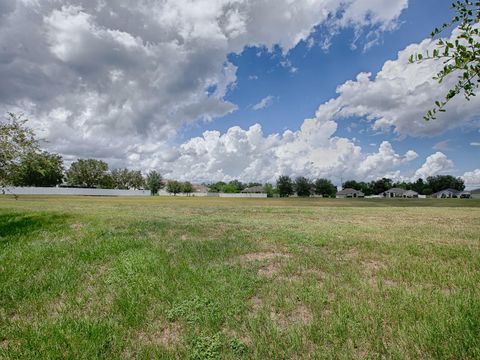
303, 186
121, 178
352, 184
285, 186
461, 56
269, 190
216, 187
325, 188
137, 180
442, 182
187, 187
381, 185
87, 173
16, 140
174, 187
154, 182
38, 169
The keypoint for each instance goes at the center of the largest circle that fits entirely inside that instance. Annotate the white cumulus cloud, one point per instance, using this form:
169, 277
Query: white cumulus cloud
435, 164
398, 96
312, 151
117, 79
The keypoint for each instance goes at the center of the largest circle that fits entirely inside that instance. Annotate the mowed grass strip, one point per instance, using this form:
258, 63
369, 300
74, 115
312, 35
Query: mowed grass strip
195, 278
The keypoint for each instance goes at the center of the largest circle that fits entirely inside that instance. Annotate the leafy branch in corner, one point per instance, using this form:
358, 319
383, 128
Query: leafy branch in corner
459, 56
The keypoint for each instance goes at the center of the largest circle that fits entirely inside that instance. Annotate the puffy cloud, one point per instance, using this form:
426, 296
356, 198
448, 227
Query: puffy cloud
99, 84
435, 164
400, 94
264, 103
311, 151
472, 178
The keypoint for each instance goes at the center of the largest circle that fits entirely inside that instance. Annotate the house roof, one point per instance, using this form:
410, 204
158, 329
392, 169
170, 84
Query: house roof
399, 191
449, 190
396, 191
349, 191
253, 190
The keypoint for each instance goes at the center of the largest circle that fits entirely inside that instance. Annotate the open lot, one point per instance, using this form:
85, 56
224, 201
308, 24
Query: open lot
238, 278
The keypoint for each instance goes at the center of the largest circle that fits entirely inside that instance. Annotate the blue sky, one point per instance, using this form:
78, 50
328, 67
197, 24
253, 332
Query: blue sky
297, 95
210, 90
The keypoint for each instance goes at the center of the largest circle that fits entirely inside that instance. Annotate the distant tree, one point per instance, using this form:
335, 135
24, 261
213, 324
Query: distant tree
16, 141
174, 187
419, 186
252, 184
461, 56
442, 182
216, 187
121, 178
238, 185
352, 184
364, 187
381, 185
325, 188
229, 189
303, 186
107, 182
38, 169
137, 181
285, 186
187, 187
154, 182
269, 190
87, 173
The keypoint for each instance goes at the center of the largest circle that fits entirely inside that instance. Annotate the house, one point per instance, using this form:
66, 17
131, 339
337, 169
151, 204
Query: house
452, 193
350, 193
399, 193
200, 188
253, 190
475, 194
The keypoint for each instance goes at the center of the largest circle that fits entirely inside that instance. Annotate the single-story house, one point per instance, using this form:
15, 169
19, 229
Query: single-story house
350, 193
452, 193
475, 194
399, 193
253, 190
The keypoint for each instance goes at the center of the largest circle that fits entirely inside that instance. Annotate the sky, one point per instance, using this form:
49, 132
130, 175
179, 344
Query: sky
210, 90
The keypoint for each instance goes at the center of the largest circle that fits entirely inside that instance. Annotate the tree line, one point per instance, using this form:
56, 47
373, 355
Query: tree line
305, 187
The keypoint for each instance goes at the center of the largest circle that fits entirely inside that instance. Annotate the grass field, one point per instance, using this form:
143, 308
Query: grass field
85, 278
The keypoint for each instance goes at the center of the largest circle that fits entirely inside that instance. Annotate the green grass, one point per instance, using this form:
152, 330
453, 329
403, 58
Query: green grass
194, 278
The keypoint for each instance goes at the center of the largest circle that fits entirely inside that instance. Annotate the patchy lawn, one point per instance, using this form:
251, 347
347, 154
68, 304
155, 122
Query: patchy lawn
201, 278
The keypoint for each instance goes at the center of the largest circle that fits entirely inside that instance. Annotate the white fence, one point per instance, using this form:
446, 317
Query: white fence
112, 192
73, 191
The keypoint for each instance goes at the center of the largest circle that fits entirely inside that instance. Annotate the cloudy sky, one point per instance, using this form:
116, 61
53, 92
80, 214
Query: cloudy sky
206, 90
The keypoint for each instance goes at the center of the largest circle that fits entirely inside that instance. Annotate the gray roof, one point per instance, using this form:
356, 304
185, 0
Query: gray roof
349, 191
452, 191
399, 191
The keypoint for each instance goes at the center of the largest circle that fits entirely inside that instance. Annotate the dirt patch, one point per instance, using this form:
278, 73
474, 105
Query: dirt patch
301, 315
263, 256
256, 304
76, 226
166, 335
183, 237
269, 270
351, 254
